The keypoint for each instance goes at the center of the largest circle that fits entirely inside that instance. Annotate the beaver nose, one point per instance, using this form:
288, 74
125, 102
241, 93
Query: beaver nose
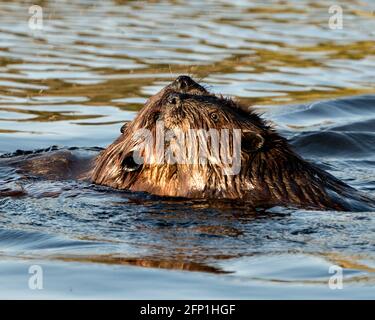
174, 99
183, 82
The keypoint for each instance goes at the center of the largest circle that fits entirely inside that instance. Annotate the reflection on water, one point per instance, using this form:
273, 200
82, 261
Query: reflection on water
94, 64
94, 60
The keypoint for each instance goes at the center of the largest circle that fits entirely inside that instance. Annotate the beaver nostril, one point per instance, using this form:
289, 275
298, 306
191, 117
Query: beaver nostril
183, 82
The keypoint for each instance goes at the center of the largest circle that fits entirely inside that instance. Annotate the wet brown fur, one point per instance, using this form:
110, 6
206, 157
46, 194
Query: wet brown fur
271, 175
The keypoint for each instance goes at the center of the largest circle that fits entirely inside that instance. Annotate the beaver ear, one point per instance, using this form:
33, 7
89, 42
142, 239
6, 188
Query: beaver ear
131, 162
251, 141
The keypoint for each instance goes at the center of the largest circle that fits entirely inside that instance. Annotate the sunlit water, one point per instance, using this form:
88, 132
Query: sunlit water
91, 67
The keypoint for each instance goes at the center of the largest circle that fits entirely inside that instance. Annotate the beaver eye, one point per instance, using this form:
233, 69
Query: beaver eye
214, 116
124, 127
157, 116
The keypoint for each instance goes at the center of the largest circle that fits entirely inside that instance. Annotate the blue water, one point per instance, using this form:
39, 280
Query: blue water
91, 68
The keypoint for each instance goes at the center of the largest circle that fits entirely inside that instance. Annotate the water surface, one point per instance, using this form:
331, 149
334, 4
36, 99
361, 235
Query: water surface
92, 67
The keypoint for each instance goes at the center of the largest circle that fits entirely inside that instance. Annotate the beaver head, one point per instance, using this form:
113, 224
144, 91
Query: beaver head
188, 142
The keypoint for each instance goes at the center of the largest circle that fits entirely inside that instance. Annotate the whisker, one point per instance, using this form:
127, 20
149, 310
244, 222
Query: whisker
203, 77
170, 71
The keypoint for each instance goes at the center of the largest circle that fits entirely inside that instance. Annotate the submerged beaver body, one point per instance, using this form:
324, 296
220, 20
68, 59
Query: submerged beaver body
252, 163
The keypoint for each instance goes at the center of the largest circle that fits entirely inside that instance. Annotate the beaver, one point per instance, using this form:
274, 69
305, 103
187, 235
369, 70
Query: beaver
270, 173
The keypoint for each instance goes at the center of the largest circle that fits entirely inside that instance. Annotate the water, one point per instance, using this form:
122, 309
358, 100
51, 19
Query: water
92, 66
